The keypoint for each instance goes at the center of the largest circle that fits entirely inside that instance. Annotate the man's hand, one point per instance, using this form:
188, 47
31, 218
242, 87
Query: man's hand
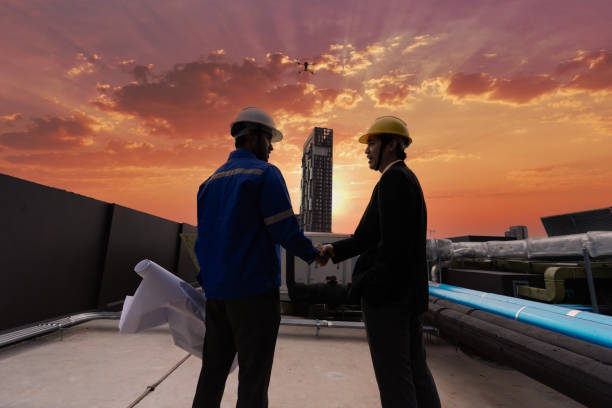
328, 249
325, 252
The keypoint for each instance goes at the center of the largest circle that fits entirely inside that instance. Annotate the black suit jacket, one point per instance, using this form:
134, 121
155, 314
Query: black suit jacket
390, 240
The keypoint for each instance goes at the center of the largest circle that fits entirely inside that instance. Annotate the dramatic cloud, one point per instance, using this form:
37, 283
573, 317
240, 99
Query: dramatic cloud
522, 89
518, 90
52, 133
461, 85
421, 41
201, 98
389, 91
142, 72
539, 101
345, 59
10, 119
86, 64
596, 72
119, 153
590, 72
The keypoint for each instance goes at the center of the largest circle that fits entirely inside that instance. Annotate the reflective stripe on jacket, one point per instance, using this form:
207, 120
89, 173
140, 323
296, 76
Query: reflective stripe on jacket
244, 213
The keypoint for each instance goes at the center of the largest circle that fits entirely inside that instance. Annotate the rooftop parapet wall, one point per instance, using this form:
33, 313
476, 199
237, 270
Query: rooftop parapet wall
63, 253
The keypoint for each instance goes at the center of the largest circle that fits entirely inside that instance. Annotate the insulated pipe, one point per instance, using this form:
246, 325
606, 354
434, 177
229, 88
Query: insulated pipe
590, 350
580, 314
582, 378
578, 328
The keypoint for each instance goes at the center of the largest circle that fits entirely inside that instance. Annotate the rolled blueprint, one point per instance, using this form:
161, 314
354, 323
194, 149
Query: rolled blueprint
163, 298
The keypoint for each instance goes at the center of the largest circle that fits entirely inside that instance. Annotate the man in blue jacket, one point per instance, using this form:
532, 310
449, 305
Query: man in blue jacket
244, 213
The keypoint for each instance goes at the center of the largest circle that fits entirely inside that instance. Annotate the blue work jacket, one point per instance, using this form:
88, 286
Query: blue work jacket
244, 213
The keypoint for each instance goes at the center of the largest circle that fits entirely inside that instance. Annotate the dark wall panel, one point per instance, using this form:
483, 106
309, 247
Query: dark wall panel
51, 244
579, 222
559, 225
185, 268
135, 236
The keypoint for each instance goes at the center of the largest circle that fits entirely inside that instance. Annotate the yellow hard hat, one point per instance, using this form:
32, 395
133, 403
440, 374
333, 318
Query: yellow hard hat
390, 125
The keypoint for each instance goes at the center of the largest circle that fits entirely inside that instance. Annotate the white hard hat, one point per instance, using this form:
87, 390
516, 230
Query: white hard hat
252, 114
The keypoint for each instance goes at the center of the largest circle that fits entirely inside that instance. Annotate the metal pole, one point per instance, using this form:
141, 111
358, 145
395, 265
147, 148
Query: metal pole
590, 281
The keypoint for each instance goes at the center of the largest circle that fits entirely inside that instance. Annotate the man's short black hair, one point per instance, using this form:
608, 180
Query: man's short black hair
399, 147
240, 142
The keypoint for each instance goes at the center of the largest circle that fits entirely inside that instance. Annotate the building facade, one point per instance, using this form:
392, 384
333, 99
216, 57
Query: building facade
317, 166
517, 232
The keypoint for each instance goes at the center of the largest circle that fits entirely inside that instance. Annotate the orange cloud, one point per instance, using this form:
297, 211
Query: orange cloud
142, 72
519, 90
345, 59
199, 99
10, 119
52, 133
86, 64
583, 60
390, 90
522, 89
597, 75
461, 84
591, 72
119, 154
421, 41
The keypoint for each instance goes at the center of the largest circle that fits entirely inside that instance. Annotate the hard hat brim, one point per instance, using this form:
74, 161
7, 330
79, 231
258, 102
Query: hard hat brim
277, 136
363, 139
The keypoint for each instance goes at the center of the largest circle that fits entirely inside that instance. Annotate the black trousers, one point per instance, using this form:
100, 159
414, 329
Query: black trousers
249, 327
395, 337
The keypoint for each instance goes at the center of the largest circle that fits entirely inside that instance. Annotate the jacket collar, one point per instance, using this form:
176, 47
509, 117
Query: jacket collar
242, 154
390, 165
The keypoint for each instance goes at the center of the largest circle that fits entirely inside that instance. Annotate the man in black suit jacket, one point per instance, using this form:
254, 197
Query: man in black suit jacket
390, 276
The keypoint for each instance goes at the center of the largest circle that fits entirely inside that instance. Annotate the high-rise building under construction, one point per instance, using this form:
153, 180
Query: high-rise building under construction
317, 165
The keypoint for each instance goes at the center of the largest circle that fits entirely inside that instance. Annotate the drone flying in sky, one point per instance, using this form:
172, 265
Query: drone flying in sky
306, 66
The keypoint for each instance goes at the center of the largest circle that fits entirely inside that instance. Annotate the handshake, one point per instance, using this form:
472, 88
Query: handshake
325, 252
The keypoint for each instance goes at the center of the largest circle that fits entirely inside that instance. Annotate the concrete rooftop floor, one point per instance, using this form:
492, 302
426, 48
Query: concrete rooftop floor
92, 365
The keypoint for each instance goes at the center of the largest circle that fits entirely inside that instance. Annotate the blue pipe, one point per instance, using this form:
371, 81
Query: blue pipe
591, 332
573, 306
580, 314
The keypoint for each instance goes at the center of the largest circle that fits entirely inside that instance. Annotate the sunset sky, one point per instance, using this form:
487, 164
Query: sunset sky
509, 103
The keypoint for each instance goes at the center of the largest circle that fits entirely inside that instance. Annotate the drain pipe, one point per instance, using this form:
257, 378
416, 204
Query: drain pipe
590, 281
580, 314
47, 327
589, 331
40, 329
